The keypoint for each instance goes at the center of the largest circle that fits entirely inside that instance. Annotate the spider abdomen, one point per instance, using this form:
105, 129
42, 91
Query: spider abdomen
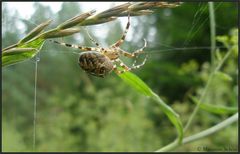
95, 63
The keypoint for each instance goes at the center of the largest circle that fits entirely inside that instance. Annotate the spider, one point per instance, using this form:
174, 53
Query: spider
99, 61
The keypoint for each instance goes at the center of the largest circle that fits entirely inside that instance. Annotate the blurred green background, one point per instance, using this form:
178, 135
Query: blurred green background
78, 112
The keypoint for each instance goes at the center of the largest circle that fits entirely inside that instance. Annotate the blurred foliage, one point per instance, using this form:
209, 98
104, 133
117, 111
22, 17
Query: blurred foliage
77, 112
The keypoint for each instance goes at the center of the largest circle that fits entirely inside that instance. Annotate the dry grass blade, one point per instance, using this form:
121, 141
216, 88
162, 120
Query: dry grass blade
35, 31
115, 11
133, 9
75, 20
17, 50
61, 33
9, 47
94, 21
167, 4
136, 13
151, 5
87, 19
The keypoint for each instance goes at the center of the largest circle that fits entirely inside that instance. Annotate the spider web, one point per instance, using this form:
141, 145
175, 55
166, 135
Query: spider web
197, 24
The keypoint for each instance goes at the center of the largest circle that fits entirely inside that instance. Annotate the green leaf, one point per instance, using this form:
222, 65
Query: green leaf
223, 39
172, 115
136, 83
21, 53
223, 76
216, 109
218, 55
16, 55
37, 44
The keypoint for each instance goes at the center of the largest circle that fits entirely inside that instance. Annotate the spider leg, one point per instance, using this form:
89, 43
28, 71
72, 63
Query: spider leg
140, 65
116, 70
119, 42
125, 67
95, 42
140, 51
135, 53
83, 48
135, 61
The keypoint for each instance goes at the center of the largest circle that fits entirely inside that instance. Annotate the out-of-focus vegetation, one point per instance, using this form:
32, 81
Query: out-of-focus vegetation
78, 112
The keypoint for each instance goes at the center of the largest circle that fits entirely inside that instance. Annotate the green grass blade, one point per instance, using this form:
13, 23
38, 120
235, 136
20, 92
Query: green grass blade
172, 115
17, 55
223, 76
136, 83
21, 53
216, 109
36, 43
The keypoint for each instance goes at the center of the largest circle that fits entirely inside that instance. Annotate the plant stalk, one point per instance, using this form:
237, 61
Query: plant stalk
202, 134
206, 88
213, 31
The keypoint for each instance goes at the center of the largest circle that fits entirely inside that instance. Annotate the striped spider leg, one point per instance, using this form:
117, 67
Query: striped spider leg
127, 54
135, 54
83, 48
90, 37
119, 42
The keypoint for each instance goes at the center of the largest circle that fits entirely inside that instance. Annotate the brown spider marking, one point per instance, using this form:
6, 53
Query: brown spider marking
99, 61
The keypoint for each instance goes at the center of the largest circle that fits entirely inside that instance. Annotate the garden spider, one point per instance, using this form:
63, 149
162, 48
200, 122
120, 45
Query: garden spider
101, 61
